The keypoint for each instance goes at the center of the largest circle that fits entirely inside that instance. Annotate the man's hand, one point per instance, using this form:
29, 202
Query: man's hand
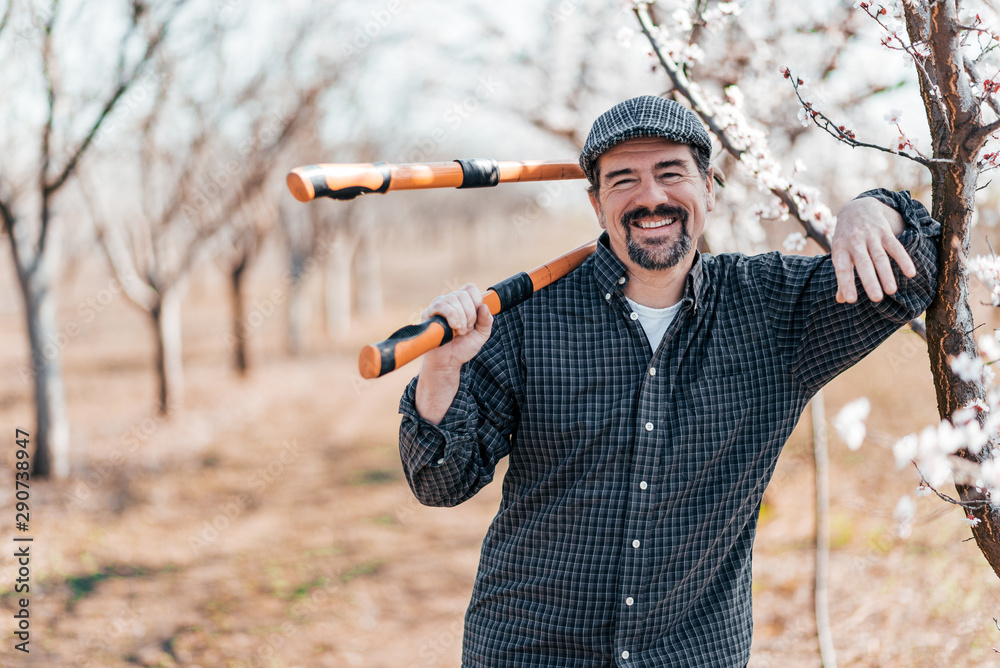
469, 317
439, 376
864, 240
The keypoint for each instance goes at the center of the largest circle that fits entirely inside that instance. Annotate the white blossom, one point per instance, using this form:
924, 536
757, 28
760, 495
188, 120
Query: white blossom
989, 347
893, 26
794, 242
624, 36
682, 20
989, 471
803, 117
986, 268
923, 490
906, 450
850, 424
734, 95
975, 437
905, 510
934, 446
966, 367
949, 439
715, 17
969, 520
988, 375
693, 53
892, 118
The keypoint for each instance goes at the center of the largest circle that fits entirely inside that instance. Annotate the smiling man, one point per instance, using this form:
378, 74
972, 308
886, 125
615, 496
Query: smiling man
642, 401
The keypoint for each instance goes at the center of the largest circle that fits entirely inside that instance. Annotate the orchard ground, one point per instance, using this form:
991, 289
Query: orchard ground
268, 523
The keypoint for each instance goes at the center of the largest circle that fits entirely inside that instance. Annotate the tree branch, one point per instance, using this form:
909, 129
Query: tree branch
845, 136
702, 108
48, 65
944, 497
973, 72
6, 15
142, 295
109, 105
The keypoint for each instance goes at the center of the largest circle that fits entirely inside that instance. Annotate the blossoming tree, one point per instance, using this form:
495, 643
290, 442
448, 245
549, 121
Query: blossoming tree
953, 52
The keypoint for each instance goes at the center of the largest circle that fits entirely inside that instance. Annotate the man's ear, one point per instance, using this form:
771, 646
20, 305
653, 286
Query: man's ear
598, 211
710, 189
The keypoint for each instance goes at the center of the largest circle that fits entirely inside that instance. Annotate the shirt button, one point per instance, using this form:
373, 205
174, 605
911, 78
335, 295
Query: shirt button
635, 543
441, 461
629, 601
625, 654
621, 281
652, 371
643, 485
608, 296
649, 426
634, 315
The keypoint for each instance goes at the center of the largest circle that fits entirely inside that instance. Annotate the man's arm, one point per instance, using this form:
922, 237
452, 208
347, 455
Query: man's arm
458, 414
816, 333
439, 376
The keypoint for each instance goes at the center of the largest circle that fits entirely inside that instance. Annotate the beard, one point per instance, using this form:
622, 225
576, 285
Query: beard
659, 254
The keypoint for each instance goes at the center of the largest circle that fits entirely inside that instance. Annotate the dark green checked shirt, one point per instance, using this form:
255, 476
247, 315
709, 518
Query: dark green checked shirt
635, 477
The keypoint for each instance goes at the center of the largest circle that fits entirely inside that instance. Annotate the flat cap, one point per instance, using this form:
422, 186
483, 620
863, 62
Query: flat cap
644, 116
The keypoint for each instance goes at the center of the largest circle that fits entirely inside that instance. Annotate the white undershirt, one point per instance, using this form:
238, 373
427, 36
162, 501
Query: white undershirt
654, 321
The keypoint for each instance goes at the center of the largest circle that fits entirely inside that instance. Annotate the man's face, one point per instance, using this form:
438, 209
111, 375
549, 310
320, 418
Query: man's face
653, 202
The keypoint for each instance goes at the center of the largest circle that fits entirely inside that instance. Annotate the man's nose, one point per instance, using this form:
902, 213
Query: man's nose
650, 194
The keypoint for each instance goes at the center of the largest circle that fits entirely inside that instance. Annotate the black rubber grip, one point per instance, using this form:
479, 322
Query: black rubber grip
479, 172
386, 175
514, 290
387, 348
319, 184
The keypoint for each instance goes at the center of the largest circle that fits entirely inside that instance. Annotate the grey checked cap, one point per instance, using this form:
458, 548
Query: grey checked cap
645, 116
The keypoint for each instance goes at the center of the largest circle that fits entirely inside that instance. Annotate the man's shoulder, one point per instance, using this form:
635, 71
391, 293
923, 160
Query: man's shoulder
727, 263
745, 275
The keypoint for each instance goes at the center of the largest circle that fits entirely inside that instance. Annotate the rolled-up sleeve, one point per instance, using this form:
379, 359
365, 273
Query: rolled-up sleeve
818, 337
449, 462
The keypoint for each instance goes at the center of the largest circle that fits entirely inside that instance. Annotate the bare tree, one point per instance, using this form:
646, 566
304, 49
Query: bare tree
214, 175
250, 230
324, 233
28, 193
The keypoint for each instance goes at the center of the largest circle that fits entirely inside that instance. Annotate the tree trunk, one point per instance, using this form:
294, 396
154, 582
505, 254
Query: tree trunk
821, 592
337, 286
950, 327
298, 305
369, 274
169, 366
240, 327
51, 434
953, 118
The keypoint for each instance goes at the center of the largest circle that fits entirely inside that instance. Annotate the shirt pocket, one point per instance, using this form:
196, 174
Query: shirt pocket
713, 414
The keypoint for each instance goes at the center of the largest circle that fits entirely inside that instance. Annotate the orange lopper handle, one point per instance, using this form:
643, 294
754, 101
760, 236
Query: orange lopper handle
347, 181
412, 341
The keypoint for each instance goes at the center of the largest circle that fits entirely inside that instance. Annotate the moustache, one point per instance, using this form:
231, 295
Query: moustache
660, 212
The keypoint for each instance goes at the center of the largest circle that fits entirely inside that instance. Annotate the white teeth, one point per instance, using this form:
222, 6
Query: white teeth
652, 224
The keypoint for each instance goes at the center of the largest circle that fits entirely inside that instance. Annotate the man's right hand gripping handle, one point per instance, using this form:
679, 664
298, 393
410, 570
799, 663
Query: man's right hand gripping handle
438, 381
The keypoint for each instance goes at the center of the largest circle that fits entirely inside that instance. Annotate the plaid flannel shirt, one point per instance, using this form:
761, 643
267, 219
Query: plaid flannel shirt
635, 477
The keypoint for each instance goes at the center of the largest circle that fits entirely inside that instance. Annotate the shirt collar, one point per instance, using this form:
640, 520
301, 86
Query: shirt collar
609, 272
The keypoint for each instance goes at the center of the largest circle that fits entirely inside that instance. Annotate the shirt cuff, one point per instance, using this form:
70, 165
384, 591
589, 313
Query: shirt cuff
423, 443
915, 215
